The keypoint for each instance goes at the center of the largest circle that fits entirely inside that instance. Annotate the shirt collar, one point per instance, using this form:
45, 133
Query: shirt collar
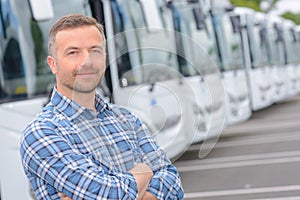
71, 109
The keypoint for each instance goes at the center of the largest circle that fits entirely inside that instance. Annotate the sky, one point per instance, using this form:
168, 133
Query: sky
287, 5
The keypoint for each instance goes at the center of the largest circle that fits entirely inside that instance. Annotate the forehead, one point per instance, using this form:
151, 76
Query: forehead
79, 34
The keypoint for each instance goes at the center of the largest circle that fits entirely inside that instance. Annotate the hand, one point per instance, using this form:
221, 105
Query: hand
64, 197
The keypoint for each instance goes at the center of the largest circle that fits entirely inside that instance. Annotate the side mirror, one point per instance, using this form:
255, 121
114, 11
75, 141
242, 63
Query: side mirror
41, 10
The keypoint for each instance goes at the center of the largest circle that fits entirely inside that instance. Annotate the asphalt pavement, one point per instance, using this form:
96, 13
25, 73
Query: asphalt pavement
257, 159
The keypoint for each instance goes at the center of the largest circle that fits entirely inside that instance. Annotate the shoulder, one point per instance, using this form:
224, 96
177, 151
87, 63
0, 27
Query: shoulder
47, 119
124, 112
120, 109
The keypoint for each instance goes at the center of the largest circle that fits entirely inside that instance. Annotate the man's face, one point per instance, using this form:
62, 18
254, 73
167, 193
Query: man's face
79, 62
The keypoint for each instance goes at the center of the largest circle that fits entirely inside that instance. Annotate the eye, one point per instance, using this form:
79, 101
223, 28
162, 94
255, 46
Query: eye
97, 50
72, 53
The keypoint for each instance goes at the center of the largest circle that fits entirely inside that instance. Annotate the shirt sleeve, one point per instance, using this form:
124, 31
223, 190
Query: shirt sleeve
166, 182
48, 156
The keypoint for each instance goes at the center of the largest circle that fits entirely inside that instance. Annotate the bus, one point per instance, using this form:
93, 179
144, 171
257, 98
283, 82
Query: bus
292, 58
297, 34
257, 56
145, 75
200, 66
231, 61
277, 57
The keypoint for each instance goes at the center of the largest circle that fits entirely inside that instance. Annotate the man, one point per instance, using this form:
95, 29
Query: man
81, 147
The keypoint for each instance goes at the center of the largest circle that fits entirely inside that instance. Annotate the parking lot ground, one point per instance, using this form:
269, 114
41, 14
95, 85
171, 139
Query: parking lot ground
257, 159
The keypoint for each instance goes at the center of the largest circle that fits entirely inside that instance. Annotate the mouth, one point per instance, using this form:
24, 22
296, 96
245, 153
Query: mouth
86, 74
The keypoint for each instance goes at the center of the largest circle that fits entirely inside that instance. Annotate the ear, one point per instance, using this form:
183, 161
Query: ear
51, 63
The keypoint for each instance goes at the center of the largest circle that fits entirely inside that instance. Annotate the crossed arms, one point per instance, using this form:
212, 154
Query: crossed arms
50, 161
143, 175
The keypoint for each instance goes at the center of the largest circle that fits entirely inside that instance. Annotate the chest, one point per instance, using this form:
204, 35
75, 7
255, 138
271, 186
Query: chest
108, 142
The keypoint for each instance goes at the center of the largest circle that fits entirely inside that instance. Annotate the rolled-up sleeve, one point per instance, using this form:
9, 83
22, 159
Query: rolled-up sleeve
49, 157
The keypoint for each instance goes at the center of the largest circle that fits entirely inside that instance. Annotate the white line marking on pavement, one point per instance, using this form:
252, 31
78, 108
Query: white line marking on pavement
243, 191
282, 198
254, 141
283, 154
238, 164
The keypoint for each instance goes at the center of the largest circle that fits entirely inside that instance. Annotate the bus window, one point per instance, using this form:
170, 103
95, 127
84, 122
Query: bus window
257, 41
12, 63
13, 67
141, 43
151, 13
229, 42
199, 28
277, 44
122, 55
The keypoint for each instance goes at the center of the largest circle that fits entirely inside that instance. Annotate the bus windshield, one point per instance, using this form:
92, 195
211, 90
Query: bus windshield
24, 71
142, 41
258, 42
277, 44
201, 49
229, 42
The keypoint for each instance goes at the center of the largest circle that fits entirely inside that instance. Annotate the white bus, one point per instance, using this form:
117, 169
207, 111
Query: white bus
297, 34
257, 56
292, 57
278, 57
143, 74
231, 61
200, 67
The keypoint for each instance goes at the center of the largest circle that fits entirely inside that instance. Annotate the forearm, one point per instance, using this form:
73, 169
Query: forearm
149, 196
143, 175
99, 185
93, 180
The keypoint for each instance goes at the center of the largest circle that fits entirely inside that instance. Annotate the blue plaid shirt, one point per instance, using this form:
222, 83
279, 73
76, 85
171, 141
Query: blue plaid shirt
87, 155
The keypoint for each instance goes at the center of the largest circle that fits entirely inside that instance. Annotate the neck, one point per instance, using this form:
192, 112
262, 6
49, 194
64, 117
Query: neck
86, 100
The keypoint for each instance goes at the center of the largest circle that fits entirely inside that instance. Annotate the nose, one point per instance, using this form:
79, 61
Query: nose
86, 58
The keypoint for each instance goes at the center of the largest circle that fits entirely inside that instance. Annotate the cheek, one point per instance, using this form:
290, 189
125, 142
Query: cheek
65, 70
100, 63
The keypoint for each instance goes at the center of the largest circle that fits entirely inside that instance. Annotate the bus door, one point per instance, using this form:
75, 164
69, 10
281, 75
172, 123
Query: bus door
231, 62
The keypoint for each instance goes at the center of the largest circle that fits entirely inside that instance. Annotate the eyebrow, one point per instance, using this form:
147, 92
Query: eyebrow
71, 48
101, 46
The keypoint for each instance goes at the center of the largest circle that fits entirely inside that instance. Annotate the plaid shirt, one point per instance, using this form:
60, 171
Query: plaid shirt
87, 155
